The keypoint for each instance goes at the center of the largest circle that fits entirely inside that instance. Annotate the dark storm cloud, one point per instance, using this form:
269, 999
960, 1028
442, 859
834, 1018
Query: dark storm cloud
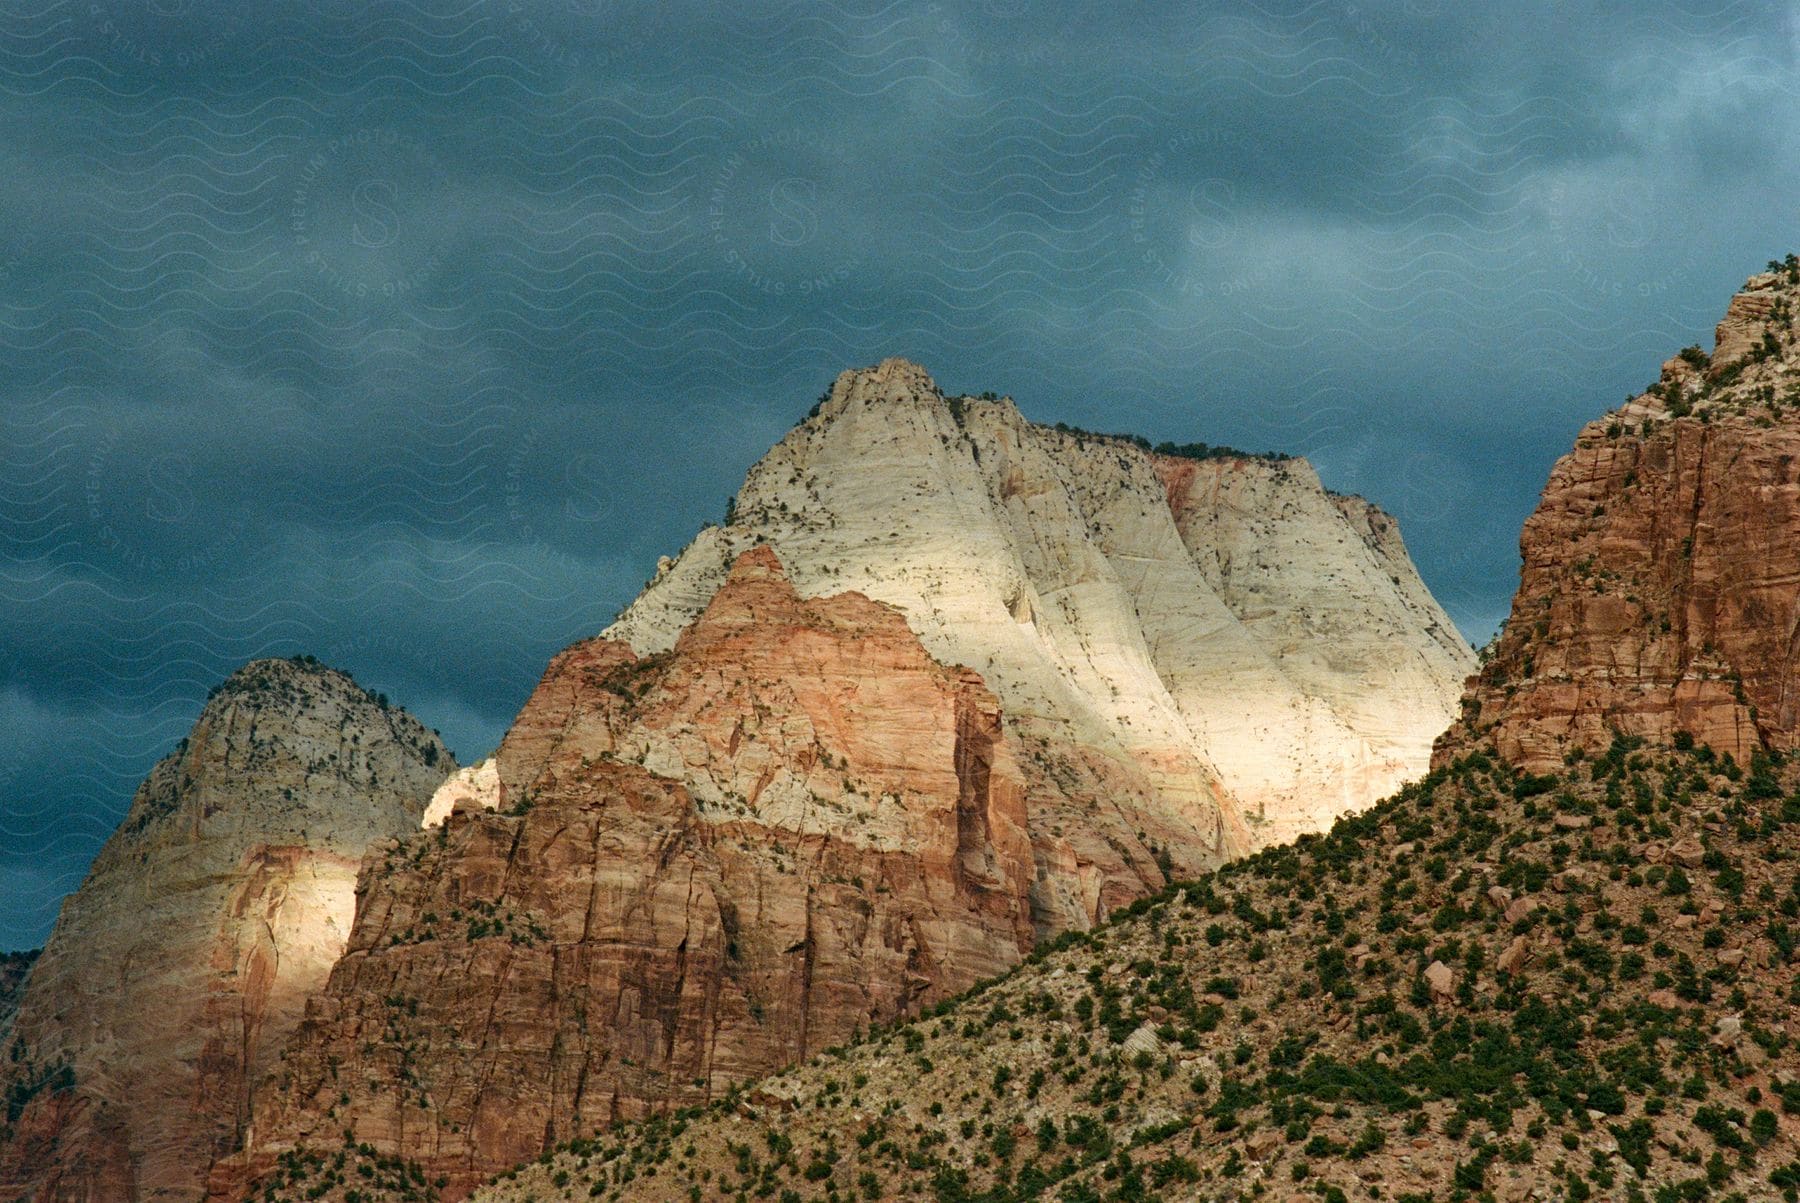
410, 335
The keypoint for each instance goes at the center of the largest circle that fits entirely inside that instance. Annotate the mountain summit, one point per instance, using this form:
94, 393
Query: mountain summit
177, 971
1210, 634
712, 862
946, 685
1565, 971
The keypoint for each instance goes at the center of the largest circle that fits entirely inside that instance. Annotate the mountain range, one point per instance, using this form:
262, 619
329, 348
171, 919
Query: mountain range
987, 810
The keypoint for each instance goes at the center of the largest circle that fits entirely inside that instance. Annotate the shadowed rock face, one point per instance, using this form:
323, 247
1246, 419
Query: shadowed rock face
1660, 586
1215, 653
180, 967
14, 968
715, 861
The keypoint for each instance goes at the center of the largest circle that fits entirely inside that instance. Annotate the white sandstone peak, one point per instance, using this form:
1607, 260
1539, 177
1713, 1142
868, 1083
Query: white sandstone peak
1246, 643
891, 379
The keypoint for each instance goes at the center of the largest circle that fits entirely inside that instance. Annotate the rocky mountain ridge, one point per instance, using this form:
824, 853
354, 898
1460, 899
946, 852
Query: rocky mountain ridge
1560, 972
712, 862
764, 812
753, 718
1255, 654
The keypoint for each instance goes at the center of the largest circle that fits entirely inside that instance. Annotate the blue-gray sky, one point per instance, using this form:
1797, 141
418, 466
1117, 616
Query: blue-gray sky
409, 334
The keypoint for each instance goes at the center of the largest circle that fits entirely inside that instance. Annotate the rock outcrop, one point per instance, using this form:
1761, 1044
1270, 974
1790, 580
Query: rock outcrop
1660, 587
763, 811
1200, 642
180, 967
476, 787
714, 861
947, 683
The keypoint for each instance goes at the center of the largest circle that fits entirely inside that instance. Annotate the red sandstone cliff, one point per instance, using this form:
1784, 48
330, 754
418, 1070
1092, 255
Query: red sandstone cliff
713, 862
778, 820
1660, 586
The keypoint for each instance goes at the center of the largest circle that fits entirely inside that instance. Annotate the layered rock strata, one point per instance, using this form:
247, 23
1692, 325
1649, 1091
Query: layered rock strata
1659, 591
1215, 639
715, 861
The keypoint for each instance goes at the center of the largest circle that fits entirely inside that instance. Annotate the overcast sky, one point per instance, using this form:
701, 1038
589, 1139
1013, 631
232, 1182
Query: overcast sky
411, 334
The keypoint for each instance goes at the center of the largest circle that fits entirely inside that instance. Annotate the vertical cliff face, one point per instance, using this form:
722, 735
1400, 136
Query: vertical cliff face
1322, 586
1219, 648
181, 965
710, 862
1658, 587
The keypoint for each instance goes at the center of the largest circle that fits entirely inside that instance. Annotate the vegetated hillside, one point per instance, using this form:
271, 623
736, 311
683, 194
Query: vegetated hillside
1492, 985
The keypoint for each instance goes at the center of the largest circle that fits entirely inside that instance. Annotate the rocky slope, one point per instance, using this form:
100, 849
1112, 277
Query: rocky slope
689, 869
15, 967
181, 965
1658, 591
1495, 985
1216, 640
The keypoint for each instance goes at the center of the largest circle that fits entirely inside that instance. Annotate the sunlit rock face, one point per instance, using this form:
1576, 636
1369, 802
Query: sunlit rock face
1358, 666
1657, 591
1220, 646
182, 964
474, 788
948, 683
715, 861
